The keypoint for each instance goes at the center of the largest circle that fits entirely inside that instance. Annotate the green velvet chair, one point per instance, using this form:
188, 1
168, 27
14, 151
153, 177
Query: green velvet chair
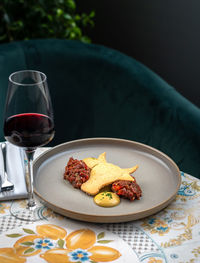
99, 92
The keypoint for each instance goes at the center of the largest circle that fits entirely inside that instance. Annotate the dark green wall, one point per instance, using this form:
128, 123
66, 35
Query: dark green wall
164, 35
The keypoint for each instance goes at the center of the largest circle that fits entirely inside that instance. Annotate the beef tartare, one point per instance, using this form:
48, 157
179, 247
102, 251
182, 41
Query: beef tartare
76, 172
127, 189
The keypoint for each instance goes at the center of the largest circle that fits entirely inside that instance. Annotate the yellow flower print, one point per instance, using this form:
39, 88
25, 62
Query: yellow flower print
3, 207
31, 245
51, 231
153, 260
25, 246
80, 248
103, 254
55, 246
8, 255
56, 255
83, 238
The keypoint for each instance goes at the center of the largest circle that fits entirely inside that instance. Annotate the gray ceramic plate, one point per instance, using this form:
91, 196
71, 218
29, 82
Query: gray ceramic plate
157, 175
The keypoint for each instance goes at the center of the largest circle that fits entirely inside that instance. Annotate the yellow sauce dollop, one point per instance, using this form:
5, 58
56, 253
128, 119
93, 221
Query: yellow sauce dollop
107, 199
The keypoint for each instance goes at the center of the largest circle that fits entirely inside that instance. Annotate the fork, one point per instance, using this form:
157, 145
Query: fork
6, 184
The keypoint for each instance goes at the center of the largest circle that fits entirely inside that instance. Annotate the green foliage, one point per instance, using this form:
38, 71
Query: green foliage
28, 19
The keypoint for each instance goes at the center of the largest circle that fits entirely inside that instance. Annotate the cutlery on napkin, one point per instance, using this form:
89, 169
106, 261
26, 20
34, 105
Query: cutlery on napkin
16, 173
6, 184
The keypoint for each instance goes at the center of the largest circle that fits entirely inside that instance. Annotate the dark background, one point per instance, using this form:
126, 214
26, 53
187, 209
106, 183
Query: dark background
163, 35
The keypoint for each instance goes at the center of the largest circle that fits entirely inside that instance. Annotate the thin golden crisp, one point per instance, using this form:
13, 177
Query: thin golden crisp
91, 162
104, 173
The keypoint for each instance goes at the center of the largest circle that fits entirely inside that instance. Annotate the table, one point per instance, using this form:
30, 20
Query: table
172, 235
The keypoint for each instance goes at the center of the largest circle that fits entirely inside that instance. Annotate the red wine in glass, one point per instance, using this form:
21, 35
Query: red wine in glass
29, 130
28, 123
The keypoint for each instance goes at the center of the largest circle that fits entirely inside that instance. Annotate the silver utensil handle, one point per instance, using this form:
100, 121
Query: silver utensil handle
3, 148
6, 184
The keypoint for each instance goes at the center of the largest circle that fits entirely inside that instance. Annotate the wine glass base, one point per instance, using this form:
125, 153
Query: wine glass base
26, 213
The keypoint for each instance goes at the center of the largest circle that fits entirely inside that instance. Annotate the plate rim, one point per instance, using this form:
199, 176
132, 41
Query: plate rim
105, 218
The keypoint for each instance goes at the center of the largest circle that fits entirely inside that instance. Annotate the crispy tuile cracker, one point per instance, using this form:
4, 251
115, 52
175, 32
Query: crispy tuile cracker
91, 162
104, 173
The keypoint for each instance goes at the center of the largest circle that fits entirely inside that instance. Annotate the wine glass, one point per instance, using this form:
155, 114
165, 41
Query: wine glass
28, 123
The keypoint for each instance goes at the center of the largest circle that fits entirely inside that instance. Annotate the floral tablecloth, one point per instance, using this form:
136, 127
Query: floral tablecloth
172, 235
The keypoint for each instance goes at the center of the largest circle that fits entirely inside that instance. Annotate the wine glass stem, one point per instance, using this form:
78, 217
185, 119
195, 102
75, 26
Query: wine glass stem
31, 200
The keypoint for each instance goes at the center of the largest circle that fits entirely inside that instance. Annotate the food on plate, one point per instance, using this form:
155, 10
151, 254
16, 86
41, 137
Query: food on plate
105, 181
107, 199
127, 189
91, 161
104, 173
76, 172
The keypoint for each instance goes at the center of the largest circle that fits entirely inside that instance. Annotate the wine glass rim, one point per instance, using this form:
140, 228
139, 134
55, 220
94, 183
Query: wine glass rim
27, 70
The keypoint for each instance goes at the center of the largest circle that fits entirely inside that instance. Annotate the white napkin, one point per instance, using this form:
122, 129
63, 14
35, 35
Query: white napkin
16, 173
